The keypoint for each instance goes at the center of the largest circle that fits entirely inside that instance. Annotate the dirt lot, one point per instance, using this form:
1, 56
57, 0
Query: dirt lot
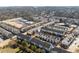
9, 50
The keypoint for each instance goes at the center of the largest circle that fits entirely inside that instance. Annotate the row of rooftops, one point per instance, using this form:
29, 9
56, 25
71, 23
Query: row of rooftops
65, 40
52, 31
11, 27
8, 28
36, 41
49, 38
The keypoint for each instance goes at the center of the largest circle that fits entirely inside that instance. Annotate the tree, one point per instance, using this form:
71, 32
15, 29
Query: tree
33, 47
